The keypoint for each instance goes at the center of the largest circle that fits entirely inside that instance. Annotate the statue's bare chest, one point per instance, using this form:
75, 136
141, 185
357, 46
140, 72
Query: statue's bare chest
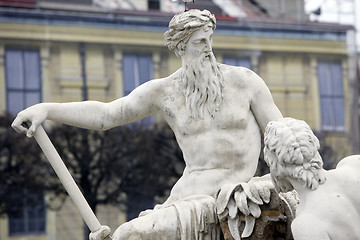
233, 113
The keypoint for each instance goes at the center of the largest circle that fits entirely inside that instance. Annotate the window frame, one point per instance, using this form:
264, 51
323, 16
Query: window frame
25, 219
23, 90
331, 93
137, 78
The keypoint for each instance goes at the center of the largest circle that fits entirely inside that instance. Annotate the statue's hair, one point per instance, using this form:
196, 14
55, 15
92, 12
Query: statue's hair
291, 150
183, 25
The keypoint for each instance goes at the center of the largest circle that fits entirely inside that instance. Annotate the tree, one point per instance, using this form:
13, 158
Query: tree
22, 170
108, 166
127, 159
129, 162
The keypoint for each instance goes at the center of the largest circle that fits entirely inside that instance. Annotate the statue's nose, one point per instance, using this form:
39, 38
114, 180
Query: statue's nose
208, 47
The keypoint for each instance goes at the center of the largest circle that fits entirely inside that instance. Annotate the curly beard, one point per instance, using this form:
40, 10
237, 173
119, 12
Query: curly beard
203, 85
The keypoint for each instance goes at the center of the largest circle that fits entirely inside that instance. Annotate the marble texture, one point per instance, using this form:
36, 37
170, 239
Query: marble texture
329, 200
216, 111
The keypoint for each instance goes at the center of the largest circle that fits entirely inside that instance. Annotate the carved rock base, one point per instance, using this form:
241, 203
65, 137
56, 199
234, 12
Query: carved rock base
275, 220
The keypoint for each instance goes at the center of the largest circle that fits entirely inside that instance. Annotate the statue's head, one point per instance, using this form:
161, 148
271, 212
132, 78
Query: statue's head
190, 37
183, 25
291, 151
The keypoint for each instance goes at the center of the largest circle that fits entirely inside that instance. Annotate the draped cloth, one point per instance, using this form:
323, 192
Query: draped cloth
198, 218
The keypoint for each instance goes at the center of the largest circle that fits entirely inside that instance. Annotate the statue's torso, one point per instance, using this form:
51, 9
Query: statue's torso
219, 150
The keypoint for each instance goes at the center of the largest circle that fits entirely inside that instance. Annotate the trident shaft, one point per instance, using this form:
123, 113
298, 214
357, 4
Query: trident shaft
66, 179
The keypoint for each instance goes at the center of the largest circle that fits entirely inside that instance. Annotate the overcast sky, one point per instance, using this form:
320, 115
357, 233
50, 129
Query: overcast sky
340, 11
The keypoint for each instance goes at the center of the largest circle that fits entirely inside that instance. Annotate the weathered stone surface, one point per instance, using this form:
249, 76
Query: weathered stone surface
329, 206
275, 220
216, 111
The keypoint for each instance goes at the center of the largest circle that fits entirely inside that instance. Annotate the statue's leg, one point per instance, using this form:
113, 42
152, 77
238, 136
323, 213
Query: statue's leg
158, 224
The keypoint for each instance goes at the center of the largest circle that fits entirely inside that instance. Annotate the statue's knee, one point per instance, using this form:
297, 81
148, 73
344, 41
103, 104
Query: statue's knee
126, 232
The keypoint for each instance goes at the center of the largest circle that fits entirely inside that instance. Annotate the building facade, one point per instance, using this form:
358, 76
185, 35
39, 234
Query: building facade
55, 51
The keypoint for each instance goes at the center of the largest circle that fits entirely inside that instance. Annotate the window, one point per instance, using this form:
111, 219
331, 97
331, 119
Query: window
154, 4
23, 87
136, 203
237, 61
30, 216
23, 79
331, 96
137, 69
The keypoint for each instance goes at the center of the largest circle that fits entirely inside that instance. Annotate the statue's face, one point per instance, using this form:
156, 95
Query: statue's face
199, 45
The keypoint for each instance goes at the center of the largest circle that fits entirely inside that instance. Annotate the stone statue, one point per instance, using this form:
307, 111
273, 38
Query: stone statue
216, 112
329, 200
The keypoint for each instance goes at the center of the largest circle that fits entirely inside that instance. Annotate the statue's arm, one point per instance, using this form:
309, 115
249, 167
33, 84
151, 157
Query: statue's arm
261, 102
142, 102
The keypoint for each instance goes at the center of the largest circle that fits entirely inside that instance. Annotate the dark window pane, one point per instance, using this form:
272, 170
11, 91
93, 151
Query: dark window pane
137, 69
129, 73
154, 4
336, 76
32, 98
32, 226
23, 79
237, 61
16, 226
15, 102
327, 113
332, 96
41, 224
29, 218
230, 61
137, 203
146, 68
32, 70
325, 84
244, 62
14, 69
339, 113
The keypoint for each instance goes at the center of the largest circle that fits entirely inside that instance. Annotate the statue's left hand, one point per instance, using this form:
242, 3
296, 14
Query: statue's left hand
243, 199
102, 234
253, 194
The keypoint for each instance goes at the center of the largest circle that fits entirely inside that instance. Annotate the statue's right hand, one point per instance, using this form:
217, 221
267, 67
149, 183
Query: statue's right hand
29, 119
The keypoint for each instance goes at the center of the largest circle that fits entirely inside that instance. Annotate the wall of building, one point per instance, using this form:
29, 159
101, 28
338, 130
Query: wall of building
287, 65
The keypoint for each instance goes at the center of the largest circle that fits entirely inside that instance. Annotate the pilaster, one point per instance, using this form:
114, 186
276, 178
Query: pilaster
156, 65
46, 85
314, 88
4, 228
2, 80
118, 73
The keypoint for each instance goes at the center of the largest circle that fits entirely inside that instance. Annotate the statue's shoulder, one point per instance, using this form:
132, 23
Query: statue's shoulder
237, 71
170, 82
163, 86
161, 83
352, 161
348, 168
240, 76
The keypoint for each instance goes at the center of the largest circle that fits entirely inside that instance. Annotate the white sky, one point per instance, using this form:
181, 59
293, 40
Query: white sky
340, 11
